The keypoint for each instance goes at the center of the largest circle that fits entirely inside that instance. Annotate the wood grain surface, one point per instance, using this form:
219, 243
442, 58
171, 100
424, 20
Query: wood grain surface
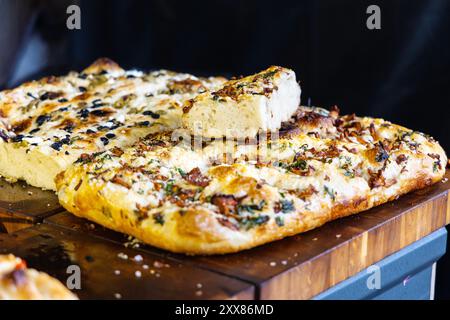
302, 266
21, 201
109, 270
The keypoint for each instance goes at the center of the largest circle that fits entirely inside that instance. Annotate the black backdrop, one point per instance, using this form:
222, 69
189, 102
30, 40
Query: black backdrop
401, 72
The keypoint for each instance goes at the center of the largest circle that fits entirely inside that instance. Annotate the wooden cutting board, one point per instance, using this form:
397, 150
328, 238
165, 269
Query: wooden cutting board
298, 267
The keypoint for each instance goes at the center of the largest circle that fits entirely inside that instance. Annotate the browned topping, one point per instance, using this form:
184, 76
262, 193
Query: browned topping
127, 168
21, 125
310, 122
67, 124
305, 193
51, 95
378, 153
304, 172
351, 150
289, 129
235, 88
373, 132
78, 185
227, 204
116, 151
376, 179
149, 143
434, 156
195, 177
50, 79
277, 207
82, 97
102, 64
228, 224
381, 154
85, 158
157, 186
334, 112
331, 152
185, 86
401, 158
182, 196
101, 112
117, 179
188, 105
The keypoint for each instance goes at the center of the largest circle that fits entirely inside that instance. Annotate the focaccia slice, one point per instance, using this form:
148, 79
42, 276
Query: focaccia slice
241, 108
45, 125
224, 196
17, 282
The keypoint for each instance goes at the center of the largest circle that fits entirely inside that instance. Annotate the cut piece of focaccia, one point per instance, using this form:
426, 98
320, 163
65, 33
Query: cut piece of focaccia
45, 125
221, 196
241, 108
17, 282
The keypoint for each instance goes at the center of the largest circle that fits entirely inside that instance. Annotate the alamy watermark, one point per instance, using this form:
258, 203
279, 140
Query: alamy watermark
374, 20
73, 21
373, 281
73, 282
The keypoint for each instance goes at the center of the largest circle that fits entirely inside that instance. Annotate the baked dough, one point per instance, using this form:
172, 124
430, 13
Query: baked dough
45, 125
219, 196
241, 108
17, 282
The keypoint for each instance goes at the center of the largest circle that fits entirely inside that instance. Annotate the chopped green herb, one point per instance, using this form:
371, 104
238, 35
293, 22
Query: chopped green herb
251, 207
349, 174
299, 164
181, 172
280, 221
287, 206
436, 165
252, 222
169, 187
330, 192
159, 218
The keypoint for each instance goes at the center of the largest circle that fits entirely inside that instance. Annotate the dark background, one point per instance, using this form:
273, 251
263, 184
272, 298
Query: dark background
401, 72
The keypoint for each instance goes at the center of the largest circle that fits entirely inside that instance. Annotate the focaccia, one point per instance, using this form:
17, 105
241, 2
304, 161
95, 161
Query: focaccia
223, 196
243, 107
17, 282
45, 125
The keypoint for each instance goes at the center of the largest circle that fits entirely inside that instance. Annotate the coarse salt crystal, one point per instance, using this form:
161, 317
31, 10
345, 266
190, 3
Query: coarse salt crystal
122, 255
